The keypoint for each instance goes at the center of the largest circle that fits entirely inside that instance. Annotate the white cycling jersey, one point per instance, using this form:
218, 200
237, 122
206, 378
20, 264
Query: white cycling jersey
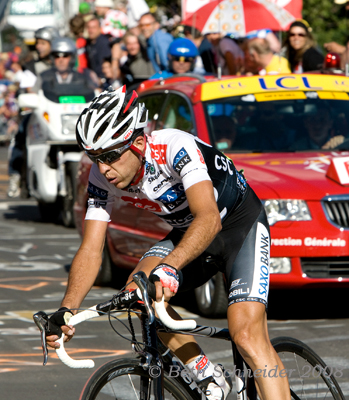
174, 161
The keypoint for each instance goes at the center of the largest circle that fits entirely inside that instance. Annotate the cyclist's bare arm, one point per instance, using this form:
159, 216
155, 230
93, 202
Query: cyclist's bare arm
83, 271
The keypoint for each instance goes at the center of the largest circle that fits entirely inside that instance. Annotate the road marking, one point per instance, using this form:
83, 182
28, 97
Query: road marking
44, 257
328, 326
29, 266
23, 249
326, 339
25, 288
25, 237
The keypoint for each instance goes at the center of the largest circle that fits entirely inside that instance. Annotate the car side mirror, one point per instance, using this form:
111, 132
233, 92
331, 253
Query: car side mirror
28, 100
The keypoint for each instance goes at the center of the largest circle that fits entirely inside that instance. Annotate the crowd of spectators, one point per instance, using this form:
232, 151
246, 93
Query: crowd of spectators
121, 42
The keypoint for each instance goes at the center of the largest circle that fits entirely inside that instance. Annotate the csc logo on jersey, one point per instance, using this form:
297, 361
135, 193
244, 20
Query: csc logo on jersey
145, 204
158, 152
224, 163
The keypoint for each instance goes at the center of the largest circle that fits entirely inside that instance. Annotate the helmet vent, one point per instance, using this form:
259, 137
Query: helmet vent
86, 124
102, 128
109, 108
123, 129
144, 115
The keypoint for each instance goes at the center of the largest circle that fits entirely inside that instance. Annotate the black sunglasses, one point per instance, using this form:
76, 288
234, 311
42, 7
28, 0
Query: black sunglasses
109, 157
182, 59
61, 55
298, 34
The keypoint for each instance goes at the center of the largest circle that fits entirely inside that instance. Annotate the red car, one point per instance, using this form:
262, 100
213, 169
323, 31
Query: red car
289, 133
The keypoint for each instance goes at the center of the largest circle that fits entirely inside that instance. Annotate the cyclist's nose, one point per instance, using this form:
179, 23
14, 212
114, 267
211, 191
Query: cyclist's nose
103, 168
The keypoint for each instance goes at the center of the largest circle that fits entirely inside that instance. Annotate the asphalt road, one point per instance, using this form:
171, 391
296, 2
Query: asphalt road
34, 257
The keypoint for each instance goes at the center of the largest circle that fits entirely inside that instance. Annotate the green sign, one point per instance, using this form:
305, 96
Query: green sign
71, 99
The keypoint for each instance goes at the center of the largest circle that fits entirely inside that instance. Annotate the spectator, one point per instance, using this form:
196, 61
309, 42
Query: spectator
268, 34
157, 41
114, 22
135, 9
227, 54
182, 55
97, 46
136, 66
77, 27
259, 57
300, 48
43, 37
109, 78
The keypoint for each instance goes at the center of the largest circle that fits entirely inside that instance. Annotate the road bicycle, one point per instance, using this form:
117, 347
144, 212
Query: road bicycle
155, 373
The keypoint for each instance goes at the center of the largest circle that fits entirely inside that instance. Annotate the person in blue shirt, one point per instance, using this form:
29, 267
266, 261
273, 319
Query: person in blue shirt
182, 55
158, 41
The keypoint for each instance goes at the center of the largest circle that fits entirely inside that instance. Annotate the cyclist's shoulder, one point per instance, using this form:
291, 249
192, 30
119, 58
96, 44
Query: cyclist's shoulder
169, 136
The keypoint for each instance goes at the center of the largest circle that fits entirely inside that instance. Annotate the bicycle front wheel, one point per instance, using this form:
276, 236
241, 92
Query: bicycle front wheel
308, 375
123, 380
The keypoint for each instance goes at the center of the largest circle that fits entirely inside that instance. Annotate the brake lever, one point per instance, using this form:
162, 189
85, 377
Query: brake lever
41, 321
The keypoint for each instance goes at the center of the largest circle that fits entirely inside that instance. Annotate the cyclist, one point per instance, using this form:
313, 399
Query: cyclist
183, 57
213, 211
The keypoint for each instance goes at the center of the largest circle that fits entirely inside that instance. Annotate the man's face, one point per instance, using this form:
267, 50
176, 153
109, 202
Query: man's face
318, 126
213, 38
147, 25
252, 61
132, 45
107, 70
93, 29
121, 172
181, 65
62, 61
43, 47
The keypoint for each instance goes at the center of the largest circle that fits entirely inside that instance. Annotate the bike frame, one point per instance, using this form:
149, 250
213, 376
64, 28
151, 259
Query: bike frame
245, 387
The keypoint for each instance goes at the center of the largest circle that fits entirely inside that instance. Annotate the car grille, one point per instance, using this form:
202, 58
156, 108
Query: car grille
330, 267
337, 210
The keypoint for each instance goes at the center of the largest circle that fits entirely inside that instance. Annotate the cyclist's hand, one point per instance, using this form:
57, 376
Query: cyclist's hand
166, 281
57, 324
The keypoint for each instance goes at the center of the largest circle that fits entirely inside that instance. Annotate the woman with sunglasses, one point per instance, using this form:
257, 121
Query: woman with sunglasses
301, 50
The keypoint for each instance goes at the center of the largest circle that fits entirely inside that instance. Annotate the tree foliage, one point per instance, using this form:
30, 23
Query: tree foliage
329, 21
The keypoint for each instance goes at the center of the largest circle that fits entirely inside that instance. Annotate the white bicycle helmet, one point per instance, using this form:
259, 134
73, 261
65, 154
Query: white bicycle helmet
112, 118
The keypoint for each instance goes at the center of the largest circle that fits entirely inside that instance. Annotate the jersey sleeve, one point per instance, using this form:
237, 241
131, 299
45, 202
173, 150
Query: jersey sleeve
186, 160
100, 202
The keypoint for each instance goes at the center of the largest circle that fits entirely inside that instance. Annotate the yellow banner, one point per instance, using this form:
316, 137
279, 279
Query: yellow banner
273, 83
280, 96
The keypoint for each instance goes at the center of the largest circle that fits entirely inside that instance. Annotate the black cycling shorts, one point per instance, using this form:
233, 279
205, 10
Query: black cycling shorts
241, 250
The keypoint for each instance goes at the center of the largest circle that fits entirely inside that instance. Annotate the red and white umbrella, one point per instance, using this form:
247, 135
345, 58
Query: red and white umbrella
239, 17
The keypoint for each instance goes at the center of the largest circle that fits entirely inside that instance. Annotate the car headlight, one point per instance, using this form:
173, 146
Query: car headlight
286, 210
68, 124
280, 265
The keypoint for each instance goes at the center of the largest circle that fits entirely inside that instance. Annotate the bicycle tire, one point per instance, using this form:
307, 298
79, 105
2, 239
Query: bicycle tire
315, 379
120, 378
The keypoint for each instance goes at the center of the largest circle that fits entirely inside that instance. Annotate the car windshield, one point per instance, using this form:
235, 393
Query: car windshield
243, 124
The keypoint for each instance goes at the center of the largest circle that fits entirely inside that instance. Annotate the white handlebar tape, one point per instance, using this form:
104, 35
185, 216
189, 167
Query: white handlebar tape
62, 354
182, 325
